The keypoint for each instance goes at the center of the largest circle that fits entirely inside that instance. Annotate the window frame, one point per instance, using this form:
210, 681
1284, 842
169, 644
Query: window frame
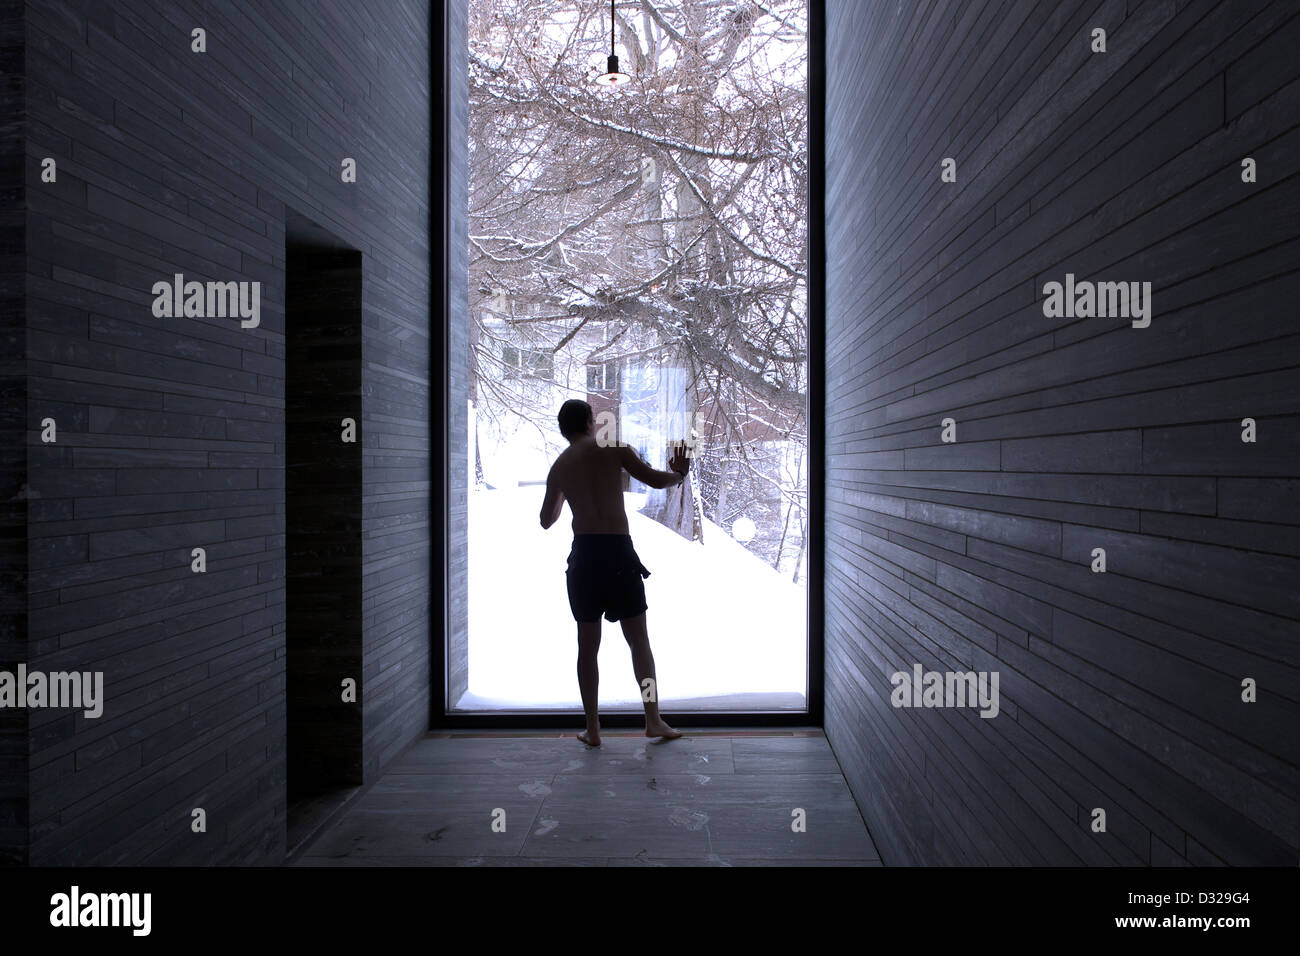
441, 173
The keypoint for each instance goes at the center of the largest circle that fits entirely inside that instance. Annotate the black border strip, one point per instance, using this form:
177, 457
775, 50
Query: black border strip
439, 306
816, 358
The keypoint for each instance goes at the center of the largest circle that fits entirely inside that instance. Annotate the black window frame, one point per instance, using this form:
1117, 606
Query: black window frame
439, 716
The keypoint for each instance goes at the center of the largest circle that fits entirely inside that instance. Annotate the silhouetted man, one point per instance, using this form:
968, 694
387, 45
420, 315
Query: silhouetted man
604, 573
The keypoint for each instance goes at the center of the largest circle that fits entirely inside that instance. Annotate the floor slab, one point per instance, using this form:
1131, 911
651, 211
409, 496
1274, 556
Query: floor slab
500, 799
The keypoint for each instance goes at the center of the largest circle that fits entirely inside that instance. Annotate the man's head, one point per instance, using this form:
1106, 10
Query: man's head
575, 418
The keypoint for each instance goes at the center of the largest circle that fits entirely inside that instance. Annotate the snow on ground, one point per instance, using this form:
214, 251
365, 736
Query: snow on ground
720, 620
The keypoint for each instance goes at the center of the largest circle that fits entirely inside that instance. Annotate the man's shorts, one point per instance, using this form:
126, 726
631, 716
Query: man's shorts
604, 577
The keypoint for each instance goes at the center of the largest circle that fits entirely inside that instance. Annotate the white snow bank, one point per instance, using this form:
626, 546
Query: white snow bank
720, 620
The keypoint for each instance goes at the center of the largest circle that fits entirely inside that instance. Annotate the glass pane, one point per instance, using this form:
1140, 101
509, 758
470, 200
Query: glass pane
643, 249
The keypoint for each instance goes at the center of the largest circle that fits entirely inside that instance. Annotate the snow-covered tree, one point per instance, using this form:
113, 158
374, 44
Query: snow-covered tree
663, 222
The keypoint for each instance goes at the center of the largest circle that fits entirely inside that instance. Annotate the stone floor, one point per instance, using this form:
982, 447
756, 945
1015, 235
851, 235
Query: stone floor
712, 798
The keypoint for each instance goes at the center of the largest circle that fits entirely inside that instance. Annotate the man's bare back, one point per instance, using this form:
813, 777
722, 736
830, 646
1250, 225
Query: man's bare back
589, 477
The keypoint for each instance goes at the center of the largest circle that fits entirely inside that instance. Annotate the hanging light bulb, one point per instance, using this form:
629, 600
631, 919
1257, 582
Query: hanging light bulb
612, 76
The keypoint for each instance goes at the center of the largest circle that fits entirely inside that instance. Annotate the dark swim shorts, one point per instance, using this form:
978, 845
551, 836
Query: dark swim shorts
604, 576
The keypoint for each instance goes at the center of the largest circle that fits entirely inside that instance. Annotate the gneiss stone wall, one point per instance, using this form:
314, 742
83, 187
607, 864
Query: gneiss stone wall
179, 134
1062, 410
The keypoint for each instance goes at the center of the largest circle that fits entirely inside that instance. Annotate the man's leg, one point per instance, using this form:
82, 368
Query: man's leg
589, 679
643, 665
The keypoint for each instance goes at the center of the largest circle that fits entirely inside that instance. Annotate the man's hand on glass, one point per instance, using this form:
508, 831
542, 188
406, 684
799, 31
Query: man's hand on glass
681, 461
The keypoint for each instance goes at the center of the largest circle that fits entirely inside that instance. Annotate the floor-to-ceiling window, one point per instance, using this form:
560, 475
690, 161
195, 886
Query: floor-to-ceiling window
642, 247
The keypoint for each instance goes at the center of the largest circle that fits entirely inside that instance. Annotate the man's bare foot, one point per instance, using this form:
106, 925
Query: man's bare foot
660, 729
589, 738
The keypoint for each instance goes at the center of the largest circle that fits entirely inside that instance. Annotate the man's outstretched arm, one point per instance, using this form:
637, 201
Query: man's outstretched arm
553, 502
643, 473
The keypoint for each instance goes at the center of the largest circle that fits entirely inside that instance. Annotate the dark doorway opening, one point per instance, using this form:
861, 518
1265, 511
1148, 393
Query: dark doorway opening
323, 522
